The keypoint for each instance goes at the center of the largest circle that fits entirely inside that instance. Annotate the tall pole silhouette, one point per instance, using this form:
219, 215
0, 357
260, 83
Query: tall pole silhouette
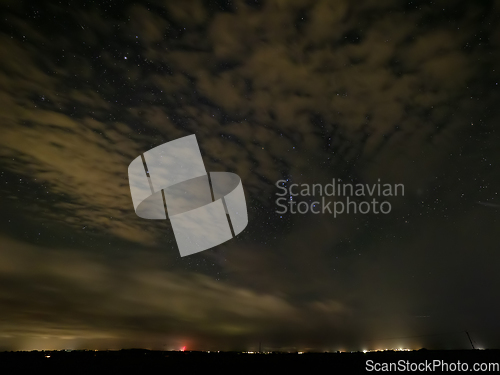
470, 340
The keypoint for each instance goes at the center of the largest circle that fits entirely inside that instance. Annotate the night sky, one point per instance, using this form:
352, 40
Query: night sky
301, 91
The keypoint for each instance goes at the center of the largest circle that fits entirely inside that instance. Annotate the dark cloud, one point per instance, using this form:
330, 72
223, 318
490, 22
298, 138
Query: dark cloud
299, 90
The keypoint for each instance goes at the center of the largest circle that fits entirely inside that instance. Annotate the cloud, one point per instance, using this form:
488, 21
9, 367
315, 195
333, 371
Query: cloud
258, 81
64, 292
301, 90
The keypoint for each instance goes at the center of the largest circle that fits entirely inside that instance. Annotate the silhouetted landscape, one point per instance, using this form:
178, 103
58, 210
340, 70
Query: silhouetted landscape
86, 361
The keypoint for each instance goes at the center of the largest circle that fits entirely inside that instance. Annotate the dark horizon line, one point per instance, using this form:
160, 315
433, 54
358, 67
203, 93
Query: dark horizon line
245, 352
